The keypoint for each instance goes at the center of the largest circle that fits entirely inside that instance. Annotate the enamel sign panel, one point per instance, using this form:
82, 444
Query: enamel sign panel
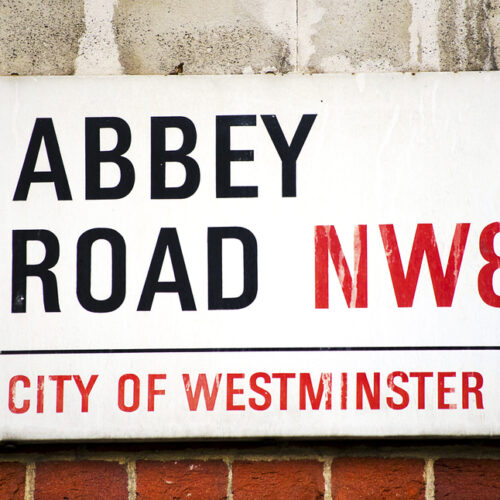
249, 256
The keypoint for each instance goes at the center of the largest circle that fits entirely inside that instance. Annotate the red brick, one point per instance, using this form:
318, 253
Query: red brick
467, 479
193, 479
380, 478
80, 480
278, 480
12, 479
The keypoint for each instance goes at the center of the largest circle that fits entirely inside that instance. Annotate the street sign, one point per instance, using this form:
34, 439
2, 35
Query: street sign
248, 256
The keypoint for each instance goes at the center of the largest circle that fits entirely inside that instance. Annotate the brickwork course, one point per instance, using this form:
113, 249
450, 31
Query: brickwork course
277, 470
163, 37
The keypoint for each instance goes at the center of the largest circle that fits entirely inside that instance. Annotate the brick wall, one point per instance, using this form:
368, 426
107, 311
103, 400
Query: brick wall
301, 470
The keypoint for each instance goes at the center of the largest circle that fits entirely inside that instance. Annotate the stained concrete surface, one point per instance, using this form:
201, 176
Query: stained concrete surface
209, 37
246, 36
40, 37
397, 35
371, 35
466, 39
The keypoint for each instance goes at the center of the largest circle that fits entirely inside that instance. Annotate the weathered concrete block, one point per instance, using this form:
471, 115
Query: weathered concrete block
493, 26
465, 41
40, 37
398, 35
209, 37
98, 52
340, 35
237, 36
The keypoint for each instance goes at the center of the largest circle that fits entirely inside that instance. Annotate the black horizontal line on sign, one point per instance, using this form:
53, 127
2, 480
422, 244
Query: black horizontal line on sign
251, 349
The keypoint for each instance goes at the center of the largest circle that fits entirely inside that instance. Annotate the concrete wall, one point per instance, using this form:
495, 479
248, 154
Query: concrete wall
246, 36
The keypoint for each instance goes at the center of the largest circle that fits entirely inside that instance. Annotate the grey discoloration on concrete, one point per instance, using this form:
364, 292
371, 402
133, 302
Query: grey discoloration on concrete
477, 38
465, 39
372, 35
61, 37
398, 35
451, 28
40, 37
212, 37
493, 25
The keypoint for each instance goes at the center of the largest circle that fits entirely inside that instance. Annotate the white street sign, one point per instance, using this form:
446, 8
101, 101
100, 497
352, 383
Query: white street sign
249, 256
